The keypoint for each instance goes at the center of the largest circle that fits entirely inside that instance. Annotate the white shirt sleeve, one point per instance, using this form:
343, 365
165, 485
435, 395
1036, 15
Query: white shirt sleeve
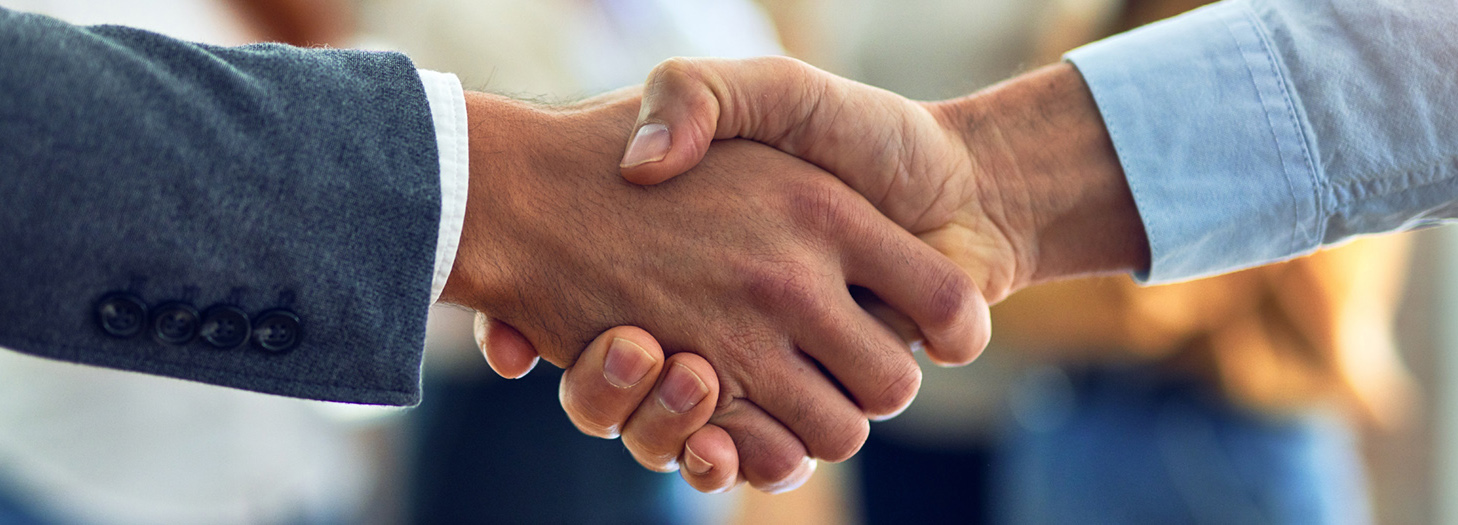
448, 110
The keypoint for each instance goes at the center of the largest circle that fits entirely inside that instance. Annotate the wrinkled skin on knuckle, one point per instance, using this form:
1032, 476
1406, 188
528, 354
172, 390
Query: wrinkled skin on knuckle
682, 83
843, 442
652, 454
773, 466
675, 77
951, 304
739, 357
765, 457
787, 286
587, 415
821, 206
897, 394
762, 98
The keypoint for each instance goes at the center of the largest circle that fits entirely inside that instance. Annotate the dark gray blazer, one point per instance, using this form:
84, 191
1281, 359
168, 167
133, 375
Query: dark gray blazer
262, 217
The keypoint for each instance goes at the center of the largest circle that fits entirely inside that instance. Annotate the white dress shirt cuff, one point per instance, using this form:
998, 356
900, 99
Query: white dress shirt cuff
448, 110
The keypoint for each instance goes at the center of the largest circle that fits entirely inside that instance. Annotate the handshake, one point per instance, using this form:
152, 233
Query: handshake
739, 293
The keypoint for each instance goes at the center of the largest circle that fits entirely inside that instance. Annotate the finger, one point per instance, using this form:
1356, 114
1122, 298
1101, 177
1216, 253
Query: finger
506, 350
710, 461
771, 458
611, 378
911, 277
792, 389
688, 102
873, 365
656, 432
898, 322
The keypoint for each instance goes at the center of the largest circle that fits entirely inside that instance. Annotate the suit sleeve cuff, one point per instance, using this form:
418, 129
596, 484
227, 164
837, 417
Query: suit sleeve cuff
448, 111
1212, 139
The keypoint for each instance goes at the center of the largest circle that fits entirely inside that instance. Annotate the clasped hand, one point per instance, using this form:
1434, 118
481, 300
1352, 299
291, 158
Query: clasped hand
752, 278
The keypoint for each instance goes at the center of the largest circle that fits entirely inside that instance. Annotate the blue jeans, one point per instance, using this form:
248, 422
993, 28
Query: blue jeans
1137, 446
15, 511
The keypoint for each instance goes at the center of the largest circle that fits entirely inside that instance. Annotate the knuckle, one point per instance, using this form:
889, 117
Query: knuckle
775, 465
676, 64
681, 88
819, 205
845, 441
589, 417
898, 393
785, 286
650, 452
951, 303
674, 75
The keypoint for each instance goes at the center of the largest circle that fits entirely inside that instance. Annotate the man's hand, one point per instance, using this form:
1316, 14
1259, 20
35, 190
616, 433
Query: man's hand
745, 261
1026, 169
1018, 183
662, 420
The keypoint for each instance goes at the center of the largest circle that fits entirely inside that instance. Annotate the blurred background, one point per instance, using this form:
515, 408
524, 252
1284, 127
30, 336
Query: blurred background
1315, 391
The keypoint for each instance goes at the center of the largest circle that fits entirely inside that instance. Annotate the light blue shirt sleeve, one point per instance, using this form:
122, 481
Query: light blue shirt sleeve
1253, 131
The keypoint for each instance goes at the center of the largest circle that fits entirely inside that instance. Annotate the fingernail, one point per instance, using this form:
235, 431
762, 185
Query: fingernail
682, 390
626, 363
650, 144
529, 368
694, 463
795, 479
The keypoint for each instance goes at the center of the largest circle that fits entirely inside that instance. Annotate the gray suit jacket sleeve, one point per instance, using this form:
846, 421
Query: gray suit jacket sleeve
154, 192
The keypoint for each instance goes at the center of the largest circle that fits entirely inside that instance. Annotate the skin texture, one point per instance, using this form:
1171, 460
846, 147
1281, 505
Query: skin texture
745, 260
1018, 184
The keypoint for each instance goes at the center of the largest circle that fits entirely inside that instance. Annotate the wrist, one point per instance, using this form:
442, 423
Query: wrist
520, 154
501, 135
1048, 173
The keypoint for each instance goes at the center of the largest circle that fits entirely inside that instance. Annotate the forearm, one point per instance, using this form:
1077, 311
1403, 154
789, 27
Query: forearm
1253, 131
1241, 134
258, 178
1052, 175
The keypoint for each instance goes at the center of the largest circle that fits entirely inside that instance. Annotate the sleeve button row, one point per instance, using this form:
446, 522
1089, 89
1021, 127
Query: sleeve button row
225, 327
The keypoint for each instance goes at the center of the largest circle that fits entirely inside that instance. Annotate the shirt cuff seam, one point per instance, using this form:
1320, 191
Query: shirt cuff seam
448, 112
1271, 68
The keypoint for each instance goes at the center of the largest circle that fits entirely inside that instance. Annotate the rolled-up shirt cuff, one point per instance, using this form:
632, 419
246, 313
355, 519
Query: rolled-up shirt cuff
448, 111
1212, 140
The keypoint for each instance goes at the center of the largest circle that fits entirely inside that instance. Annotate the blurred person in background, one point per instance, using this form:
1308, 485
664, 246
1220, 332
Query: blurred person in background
80, 444
1223, 400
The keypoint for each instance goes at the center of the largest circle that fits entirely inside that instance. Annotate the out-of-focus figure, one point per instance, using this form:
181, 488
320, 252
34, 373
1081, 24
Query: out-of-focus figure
1227, 400
565, 49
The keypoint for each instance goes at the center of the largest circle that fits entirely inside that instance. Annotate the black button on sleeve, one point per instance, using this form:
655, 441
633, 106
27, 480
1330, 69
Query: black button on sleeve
225, 327
121, 315
277, 331
175, 323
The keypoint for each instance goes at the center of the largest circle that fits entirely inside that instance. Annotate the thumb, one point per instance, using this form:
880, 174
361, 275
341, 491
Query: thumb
506, 350
689, 102
676, 123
